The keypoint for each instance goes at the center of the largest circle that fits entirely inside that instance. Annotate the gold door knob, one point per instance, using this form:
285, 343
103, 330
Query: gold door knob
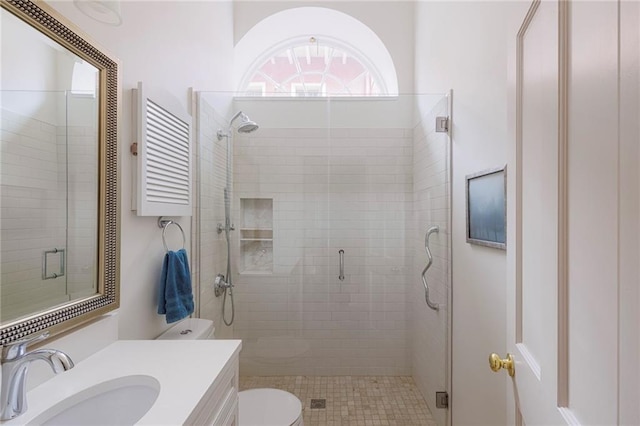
496, 363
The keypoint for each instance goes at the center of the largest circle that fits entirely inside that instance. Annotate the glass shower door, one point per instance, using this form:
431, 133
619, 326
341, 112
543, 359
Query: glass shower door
332, 199
429, 330
280, 186
48, 194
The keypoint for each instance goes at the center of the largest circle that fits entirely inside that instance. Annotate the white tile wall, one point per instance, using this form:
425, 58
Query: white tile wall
428, 328
46, 167
33, 214
346, 189
211, 253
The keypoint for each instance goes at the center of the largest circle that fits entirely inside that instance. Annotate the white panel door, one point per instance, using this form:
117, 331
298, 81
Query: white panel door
564, 227
593, 215
533, 252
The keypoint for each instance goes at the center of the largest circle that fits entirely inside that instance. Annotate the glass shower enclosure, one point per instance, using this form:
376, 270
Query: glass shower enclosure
331, 202
48, 193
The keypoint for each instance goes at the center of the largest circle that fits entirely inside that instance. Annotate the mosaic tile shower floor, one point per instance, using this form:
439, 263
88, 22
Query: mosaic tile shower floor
352, 400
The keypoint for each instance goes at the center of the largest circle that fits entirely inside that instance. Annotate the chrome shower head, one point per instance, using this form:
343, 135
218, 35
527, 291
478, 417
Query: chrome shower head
246, 124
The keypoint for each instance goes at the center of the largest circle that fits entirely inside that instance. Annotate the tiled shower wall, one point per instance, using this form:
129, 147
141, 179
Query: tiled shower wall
49, 186
211, 253
33, 213
335, 189
428, 331
369, 191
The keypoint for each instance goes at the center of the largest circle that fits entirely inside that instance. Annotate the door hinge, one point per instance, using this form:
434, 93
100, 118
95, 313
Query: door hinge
442, 400
134, 149
442, 124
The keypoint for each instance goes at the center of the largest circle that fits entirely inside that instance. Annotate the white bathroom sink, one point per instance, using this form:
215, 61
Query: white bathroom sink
121, 401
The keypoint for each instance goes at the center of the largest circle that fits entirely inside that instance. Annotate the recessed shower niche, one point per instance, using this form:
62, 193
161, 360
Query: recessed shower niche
256, 235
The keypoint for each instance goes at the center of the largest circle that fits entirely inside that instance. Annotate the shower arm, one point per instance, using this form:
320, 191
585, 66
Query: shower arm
234, 118
220, 134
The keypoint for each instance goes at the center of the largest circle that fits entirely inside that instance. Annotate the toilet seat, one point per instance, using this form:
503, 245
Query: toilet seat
268, 407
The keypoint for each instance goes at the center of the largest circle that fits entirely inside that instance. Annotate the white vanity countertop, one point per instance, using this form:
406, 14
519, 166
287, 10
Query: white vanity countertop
185, 370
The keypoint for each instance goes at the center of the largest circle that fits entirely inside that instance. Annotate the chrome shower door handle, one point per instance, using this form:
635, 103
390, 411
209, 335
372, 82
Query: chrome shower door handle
341, 254
45, 264
430, 304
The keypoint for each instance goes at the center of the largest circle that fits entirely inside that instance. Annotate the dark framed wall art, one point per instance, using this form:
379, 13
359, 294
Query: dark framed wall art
487, 208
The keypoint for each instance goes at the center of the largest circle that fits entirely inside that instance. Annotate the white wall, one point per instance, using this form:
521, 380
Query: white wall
172, 46
27, 81
463, 46
392, 21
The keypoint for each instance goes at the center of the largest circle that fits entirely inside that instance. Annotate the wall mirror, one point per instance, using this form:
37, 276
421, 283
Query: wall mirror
58, 174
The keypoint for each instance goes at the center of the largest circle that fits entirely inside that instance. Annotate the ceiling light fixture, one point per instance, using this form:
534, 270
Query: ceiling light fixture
105, 11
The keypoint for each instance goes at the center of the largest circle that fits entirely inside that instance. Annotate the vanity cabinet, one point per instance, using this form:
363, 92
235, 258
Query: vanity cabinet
219, 405
196, 383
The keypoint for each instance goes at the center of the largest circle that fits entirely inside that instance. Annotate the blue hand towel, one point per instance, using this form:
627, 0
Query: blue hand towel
175, 298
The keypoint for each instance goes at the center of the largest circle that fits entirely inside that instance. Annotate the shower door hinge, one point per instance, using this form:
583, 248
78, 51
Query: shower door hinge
442, 124
442, 400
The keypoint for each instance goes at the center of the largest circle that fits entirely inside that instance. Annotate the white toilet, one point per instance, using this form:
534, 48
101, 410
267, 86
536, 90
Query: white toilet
256, 407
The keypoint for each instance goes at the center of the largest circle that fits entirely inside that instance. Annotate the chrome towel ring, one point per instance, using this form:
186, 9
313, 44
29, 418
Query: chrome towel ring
164, 224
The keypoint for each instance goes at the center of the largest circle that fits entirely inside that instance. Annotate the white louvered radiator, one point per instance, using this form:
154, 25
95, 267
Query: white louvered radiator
162, 166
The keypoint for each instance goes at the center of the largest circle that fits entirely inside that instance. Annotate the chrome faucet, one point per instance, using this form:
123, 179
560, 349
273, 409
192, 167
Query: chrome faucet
15, 363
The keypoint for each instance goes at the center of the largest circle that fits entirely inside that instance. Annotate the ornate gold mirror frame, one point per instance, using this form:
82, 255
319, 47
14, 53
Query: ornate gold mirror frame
61, 318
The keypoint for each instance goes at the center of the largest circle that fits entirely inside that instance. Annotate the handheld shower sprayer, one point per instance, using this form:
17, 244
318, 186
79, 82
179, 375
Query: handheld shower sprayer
222, 287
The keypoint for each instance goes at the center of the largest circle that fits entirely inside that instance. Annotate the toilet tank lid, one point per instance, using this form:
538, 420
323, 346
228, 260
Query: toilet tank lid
189, 329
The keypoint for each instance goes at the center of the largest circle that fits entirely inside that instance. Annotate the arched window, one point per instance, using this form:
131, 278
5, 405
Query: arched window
312, 67
311, 52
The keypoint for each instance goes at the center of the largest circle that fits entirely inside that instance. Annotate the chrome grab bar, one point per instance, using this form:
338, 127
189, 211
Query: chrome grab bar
430, 231
341, 276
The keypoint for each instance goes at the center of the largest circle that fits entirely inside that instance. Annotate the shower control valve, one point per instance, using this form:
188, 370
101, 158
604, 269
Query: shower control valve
220, 285
219, 280
220, 227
